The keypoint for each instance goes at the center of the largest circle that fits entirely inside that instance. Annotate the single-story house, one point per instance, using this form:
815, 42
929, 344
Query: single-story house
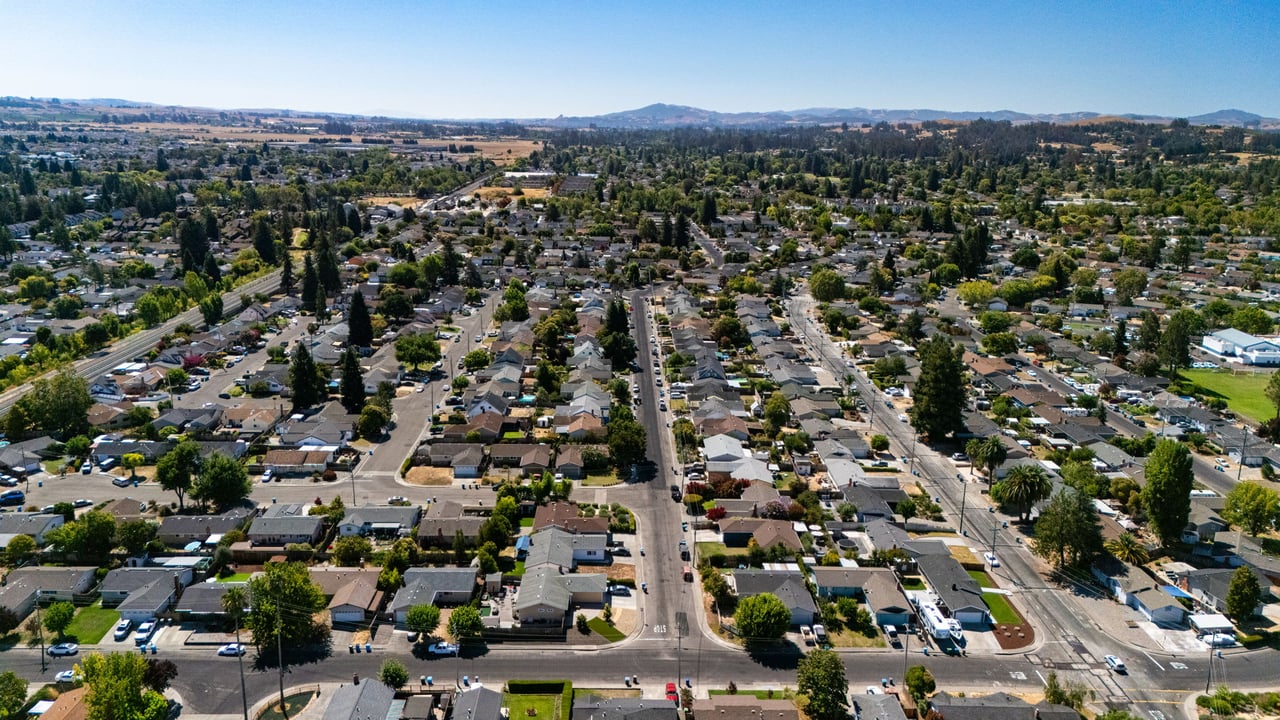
283, 524
444, 520
355, 602
141, 594
380, 520
203, 601
297, 462
1209, 587
958, 593
364, 699
23, 585
739, 531
787, 585
546, 595
878, 587
432, 586
179, 530
36, 525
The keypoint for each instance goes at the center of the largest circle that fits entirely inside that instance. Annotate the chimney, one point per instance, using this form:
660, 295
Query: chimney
355, 679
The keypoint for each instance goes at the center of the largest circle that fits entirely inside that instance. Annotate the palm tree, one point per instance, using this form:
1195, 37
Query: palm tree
1022, 488
994, 455
234, 603
1127, 548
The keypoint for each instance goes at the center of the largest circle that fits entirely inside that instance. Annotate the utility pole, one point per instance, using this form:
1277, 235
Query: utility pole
964, 494
40, 630
244, 695
1244, 444
284, 711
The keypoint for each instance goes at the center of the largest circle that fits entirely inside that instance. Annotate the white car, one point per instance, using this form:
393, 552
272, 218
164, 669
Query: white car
67, 676
991, 559
1115, 663
231, 649
443, 648
122, 629
64, 649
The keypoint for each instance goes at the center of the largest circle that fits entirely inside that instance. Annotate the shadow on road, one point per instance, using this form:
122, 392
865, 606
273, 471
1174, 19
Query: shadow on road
775, 656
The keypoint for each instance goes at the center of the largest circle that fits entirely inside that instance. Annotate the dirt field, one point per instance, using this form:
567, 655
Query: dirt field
429, 476
617, 571
493, 193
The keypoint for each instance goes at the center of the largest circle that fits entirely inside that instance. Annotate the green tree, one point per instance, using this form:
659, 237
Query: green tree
285, 594
1167, 494
920, 683
976, 293
372, 422
1129, 283
211, 310
416, 349
393, 673
131, 462
305, 382
1127, 548
762, 617
777, 412
1175, 342
476, 360
820, 678
176, 470
59, 405
351, 386
13, 693
1067, 533
879, 443
1243, 594
423, 619
1253, 320
626, 439
159, 674
359, 324
20, 549
940, 391
1022, 488
116, 688
134, 535
1273, 392
826, 285
349, 550
465, 623
222, 481
58, 616
88, 538
1252, 507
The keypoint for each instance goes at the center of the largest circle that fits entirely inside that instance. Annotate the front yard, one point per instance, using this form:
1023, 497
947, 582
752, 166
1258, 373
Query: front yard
92, 623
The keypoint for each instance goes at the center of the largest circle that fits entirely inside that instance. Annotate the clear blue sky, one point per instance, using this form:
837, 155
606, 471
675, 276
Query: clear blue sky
493, 58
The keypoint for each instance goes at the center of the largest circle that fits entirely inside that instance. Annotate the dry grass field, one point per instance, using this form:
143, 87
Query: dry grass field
493, 193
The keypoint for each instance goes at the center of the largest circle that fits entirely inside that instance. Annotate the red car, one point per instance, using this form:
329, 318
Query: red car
672, 695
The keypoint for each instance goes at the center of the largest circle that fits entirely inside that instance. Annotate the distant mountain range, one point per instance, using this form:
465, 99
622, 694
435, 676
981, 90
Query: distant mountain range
663, 116
660, 115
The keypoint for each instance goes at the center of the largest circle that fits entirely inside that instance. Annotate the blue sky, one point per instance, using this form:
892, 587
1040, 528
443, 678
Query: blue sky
493, 58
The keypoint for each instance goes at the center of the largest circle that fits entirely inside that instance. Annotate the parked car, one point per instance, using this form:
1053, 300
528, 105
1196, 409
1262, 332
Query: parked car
397, 500
86, 467
443, 648
672, 695
991, 559
64, 649
82, 503
121, 482
122, 629
67, 676
232, 650
620, 590
12, 497
145, 631
1115, 663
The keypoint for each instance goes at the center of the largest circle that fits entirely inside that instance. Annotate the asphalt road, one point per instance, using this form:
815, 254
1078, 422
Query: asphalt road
126, 349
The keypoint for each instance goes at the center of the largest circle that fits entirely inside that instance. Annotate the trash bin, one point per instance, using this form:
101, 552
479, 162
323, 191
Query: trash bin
368, 647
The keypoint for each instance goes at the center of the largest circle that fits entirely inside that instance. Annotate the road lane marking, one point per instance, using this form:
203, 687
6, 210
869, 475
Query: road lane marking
1154, 661
1178, 666
1017, 675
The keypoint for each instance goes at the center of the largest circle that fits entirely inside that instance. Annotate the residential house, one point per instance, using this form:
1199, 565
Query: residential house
203, 601
22, 586
297, 462
749, 706
877, 587
355, 602
179, 530
363, 699
531, 459
547, 594
957, 592
1133, 586
1210, 586
478, 703
591, 707
996, 706
443, 520
563, 549
250, 420
386, 521
787, 585
564, 515
444, 586
737, 532
285, 524
143, 593
36, 525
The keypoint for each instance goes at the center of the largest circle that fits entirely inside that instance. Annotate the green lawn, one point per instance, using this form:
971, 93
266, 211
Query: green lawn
710, 548
526, 522
912, 582
91, 623
1001, 611
1243, 393
544, 706
605, 630
293, 703
237, 578
783, 694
